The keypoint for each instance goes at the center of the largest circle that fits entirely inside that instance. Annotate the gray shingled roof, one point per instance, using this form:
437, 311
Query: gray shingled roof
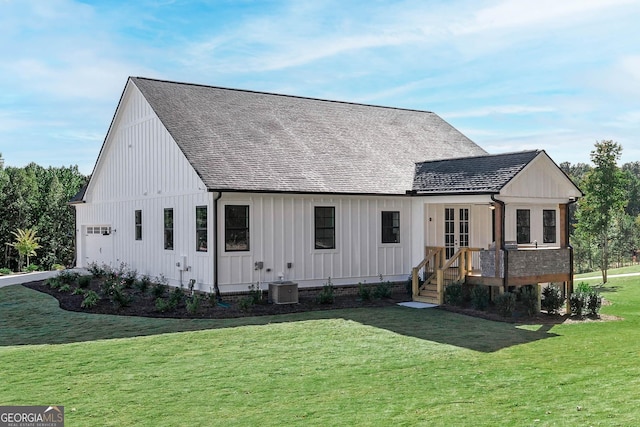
483, 174
252, 141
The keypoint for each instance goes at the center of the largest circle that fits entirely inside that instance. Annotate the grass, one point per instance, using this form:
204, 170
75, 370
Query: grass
389, 366
611, 271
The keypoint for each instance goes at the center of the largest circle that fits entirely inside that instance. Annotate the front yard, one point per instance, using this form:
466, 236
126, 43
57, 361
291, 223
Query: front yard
366, 366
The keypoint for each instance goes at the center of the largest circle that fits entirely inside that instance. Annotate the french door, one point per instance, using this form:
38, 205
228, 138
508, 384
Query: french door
456, 229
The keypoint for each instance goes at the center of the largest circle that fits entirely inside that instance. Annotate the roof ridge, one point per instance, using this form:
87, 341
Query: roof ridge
480, 156
308, 98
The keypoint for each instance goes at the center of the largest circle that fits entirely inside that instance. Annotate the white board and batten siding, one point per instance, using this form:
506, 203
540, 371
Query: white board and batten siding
282, 233
540, 186
141, 168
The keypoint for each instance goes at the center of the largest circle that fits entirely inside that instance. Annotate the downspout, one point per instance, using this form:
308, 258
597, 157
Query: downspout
505, 259
216, 246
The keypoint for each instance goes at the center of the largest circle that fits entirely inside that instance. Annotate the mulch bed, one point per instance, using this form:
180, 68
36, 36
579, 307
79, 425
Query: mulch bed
144, 305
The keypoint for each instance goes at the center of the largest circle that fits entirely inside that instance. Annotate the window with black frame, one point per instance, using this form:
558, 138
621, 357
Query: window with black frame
236, 228
523, 225
549, 226
168, 228
325, 227
201, 229
390, 227
138, 224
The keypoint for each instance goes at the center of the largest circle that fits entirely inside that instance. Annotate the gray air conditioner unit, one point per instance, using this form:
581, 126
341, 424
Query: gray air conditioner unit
283, 293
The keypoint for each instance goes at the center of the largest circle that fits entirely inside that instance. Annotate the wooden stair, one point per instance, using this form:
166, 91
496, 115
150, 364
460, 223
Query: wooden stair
428, 293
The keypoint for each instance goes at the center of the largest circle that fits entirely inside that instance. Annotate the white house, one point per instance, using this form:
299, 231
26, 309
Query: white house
230, 188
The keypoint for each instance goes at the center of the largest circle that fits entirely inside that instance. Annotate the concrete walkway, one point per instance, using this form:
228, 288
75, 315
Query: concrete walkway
610, 276
18, 279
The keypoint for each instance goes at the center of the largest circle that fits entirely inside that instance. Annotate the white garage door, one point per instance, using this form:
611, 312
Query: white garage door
98, 243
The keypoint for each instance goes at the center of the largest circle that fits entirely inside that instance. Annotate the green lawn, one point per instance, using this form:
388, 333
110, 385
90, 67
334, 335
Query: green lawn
611, 271
383, 366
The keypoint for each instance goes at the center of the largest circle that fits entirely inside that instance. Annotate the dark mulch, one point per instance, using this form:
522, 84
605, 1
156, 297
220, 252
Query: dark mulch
144, 305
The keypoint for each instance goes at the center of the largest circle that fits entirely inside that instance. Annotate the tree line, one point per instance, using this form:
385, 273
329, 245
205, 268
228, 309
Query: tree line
605, 223
37, 198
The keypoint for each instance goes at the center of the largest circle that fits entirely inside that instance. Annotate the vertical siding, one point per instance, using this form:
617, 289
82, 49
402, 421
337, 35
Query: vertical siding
141, 168
282, 231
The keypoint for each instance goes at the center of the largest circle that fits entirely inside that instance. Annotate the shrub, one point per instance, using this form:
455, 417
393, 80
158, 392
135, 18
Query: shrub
583, 288
480, 297
5, 271
529, 297
90, 300
578, 303
33, 267
453, 294
213, 300
552, 299
98, 271
57, 267
68, 277
382, 289
54, 282
65, 288
364, 292
255, 294
193, 303
78, 291
245, 303
176, 297
506, 304
158, 290
84, 281
164, 305
120, 297
143, 284
594, 302
326, 294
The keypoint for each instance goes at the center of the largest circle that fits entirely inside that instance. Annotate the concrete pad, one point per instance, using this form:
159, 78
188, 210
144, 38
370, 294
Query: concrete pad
18, 279
415, 304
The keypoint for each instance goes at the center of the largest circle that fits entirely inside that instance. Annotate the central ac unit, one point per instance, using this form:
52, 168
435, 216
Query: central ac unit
283, 293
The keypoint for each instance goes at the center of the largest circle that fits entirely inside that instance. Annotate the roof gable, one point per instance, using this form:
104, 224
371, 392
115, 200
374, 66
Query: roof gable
470, 175
250, 141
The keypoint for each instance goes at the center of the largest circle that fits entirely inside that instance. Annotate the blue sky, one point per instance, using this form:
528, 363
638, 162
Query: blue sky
510, 74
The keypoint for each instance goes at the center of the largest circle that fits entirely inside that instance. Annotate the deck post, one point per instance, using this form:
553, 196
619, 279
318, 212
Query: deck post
414, 282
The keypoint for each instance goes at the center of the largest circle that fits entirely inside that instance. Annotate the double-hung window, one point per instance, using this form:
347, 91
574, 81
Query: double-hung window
236, 228
325, 227
390, 227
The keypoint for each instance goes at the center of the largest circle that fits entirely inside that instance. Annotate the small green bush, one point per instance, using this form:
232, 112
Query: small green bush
594, 302
57, 267
98, 271
5, 271
529, 298
33, 267
578, 303
551, 299
120, 297
583, 288
326, 295
245, 303
382, 289
364, 292
193, 303
90, 300
176, 297
505, 304
255, 293
163, 305
78, 291
65, 288
453, 294
143, 284
158, 290
84, 281
68, 277
53, 282
480, 297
